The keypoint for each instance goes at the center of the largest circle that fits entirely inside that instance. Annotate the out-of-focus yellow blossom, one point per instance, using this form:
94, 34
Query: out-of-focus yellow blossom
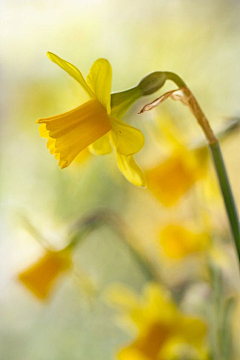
93, 124
178, 241
39, 278
163, 331
170, 179
173, 177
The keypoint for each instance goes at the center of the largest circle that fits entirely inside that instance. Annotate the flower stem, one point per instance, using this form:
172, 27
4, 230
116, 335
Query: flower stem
226, 193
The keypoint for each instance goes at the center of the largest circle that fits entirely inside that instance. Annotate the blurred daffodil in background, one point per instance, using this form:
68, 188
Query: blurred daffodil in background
186, 163
170, 180
41, 276
92, 124
177, 241
161, 330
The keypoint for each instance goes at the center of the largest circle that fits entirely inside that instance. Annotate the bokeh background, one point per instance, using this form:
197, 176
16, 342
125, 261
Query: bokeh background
199, 40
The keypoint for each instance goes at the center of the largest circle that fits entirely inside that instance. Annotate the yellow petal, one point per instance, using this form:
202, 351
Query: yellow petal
72, 71
75, 130
131, 170
40, 277
100, 80
177, 241
126, 139
102, 146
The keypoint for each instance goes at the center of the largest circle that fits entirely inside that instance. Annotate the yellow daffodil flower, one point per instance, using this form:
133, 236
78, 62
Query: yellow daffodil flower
94, 124
178, 241
163, 331
170, 179
173, 177
39, 278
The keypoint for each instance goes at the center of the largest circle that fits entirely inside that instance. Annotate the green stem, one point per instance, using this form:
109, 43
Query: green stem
226, 193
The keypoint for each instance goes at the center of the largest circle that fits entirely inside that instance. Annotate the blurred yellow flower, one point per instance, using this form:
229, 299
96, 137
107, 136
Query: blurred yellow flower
92, 124
39, 278
172, 178
163, 331
178, 241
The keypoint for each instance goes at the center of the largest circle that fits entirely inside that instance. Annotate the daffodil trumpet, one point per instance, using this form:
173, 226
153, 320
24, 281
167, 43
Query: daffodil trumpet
184, 94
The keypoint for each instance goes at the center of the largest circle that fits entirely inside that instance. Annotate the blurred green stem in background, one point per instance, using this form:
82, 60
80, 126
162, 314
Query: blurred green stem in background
221, 310
217, 159
105, 217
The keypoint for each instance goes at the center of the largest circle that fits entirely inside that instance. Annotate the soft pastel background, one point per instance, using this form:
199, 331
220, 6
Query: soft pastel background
197, 39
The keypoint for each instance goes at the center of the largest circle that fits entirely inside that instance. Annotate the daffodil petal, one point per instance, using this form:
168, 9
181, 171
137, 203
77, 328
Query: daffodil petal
131, 170
99, 80
72, 71
102, 146
126, 139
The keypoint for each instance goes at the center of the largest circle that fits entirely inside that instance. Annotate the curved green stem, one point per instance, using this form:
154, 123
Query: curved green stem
176, 79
